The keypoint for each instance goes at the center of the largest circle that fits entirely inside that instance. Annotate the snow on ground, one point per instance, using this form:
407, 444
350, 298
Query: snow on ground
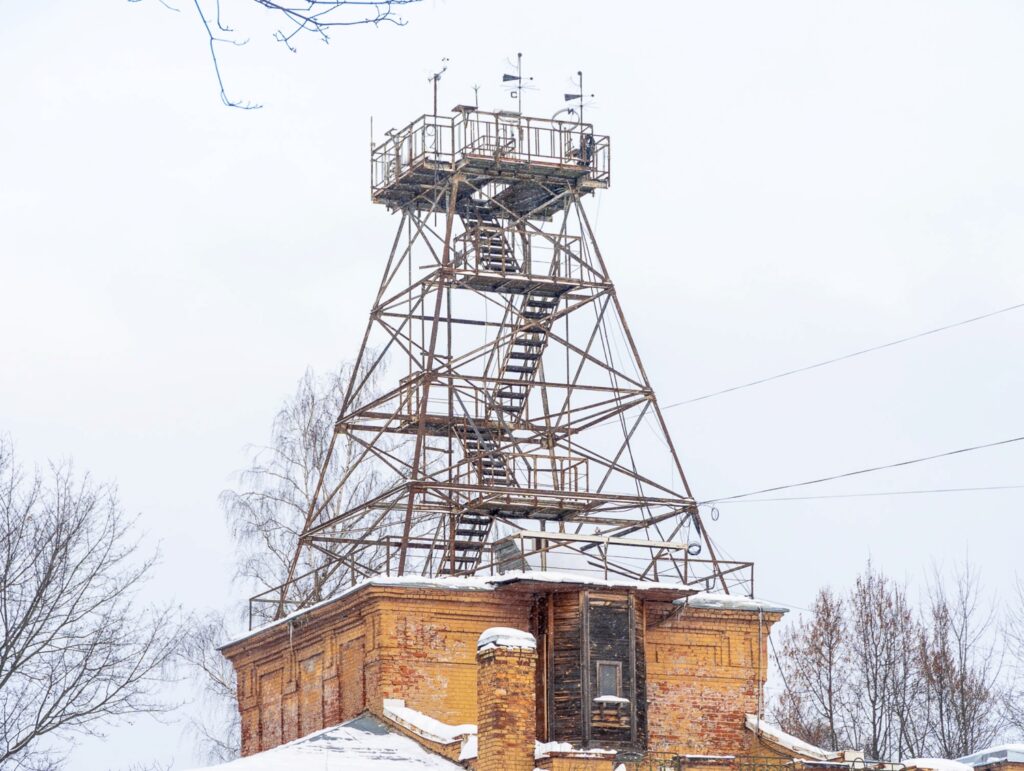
364, 744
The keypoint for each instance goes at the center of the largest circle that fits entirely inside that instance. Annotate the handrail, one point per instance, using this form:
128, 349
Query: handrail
445, 141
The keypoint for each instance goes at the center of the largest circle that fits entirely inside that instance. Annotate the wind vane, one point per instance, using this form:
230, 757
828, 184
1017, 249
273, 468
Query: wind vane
436, 77
518, 79
580, 96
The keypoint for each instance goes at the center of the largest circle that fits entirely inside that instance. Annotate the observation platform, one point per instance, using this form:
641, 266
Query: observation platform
527, 164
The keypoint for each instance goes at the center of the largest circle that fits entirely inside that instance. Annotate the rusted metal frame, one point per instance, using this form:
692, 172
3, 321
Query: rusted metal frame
594, 420
349, 561
594, 360
606, 345
397, 491
369, 324
523, 325
388, 458
389, 276
556, 258
590, 342
368, 408
393, 335
348, 392
622, 448
675, 531
515, 216
352, 466
471, 322
409, 217
554, 494
420, 435
399, 338
632, 344
657, 410
405, 295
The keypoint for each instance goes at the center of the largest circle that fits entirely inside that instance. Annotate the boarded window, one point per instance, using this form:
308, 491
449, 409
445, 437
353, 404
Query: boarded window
609, 678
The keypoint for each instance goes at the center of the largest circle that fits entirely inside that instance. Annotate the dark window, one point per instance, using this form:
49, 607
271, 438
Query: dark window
609, 678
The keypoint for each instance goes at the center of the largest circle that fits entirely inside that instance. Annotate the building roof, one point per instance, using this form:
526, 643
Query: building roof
363, 743
1013, 753
528, 580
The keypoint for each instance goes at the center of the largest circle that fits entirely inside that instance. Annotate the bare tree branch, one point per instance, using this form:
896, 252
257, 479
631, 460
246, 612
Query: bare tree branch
76, 653
317, 18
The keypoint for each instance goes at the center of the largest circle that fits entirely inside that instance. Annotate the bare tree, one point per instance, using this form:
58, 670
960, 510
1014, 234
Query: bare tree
294, 19
1013, 632
271, 507
870, 672
962, 666
77, 653
815, 665
873, 607
268, 511
215, 723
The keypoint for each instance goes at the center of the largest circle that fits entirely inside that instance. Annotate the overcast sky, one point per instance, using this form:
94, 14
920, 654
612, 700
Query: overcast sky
791, 181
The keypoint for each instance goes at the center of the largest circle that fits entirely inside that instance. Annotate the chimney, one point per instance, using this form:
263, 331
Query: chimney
506, 700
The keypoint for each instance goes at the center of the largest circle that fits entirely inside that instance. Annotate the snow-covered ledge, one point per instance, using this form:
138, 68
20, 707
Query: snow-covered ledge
775, 735
708, 601
506, 637
425, 726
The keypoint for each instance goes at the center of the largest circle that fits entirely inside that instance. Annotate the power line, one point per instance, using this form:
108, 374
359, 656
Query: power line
844, 357
882, 493
868, 470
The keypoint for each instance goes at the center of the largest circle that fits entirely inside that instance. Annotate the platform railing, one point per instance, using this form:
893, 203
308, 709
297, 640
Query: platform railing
443, 142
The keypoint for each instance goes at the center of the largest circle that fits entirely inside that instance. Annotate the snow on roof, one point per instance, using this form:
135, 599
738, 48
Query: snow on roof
1013, 753
540, 750
729, 602
506, 637
424, 725
470, 583
363, 743
776, 735
936, 764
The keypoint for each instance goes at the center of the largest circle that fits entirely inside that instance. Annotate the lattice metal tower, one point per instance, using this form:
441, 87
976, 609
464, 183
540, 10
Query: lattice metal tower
498, 393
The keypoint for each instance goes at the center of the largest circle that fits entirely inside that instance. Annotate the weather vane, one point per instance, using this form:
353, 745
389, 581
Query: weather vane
436, 77
519, 80
580, 96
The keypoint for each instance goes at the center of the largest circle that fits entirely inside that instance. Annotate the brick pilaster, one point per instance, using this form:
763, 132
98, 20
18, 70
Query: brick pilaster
506, 700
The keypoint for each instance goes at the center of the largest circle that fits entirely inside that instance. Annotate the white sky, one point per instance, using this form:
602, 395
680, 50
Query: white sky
791, 181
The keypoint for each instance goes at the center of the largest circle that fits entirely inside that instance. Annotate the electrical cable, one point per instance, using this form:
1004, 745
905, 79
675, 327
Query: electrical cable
883, 493
843, 357
867, 470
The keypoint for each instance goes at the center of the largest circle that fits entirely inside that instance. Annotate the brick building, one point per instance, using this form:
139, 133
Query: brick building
618, 668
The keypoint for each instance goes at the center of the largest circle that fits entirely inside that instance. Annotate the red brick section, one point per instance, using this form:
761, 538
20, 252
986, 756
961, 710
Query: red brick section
506, 699
703, 676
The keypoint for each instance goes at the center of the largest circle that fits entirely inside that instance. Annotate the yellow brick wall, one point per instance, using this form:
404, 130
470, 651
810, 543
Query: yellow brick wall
703, 672
378, 643
506, 694
419, 644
